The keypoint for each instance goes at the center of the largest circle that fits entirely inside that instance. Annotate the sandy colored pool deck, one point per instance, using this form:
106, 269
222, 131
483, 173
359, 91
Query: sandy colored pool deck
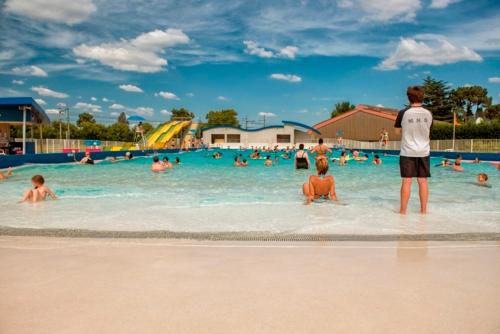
64, 285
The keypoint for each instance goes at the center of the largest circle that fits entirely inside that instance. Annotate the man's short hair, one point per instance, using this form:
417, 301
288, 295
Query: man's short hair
415, 94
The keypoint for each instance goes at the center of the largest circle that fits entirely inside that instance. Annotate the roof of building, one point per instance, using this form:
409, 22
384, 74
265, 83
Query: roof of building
387, 113
39, 115
296, 125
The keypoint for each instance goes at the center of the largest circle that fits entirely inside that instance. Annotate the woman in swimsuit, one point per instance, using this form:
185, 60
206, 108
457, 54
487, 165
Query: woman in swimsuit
302, 158
321, 185
321, 150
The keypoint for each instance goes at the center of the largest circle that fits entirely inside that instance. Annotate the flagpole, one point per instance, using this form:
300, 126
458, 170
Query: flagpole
454, 125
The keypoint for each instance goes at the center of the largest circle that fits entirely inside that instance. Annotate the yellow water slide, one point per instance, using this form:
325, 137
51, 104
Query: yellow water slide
163, 133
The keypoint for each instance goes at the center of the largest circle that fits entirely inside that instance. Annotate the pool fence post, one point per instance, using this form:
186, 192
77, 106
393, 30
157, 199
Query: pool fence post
24, 130
472, 145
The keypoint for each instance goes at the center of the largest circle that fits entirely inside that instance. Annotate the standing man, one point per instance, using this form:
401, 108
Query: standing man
414, 125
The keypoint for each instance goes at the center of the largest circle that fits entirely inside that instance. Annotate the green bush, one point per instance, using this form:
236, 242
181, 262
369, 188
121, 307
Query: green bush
470, 130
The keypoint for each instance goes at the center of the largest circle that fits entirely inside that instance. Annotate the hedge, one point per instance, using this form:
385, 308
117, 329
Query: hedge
470, 130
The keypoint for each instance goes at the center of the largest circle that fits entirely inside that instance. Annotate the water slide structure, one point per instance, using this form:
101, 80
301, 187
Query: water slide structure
159, 137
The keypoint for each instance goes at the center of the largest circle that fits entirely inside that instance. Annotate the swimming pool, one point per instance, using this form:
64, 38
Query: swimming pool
208, 195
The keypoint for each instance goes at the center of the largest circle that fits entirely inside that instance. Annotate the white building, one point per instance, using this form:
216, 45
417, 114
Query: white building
288, 134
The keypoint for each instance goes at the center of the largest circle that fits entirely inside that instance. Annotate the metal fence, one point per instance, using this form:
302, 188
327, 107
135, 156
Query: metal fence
58, 145
459, 145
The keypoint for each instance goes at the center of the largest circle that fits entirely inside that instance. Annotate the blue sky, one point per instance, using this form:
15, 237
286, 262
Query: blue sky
286, 59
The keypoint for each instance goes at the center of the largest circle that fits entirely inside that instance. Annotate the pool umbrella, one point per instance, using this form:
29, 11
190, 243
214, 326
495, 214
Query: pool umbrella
136, 118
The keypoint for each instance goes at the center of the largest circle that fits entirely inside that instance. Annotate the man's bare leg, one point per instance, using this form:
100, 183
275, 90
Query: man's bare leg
423, 192
405, 194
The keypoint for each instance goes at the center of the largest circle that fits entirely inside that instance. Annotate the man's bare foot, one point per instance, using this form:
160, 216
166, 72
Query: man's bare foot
402, 212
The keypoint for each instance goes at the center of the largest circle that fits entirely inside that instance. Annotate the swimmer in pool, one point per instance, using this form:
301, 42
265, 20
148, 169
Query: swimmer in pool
7, 174
482, 180
128, 156
40, 191
457, 166
177, 161
157, 166
342, 159
244, 163
237, 162
302, 158
268, 162
377, 160
255, 155
321, 150
87, 159
217, 155
476, 161
167, 163
321, 185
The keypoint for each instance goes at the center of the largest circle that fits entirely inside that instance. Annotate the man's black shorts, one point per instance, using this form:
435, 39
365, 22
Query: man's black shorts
414, 167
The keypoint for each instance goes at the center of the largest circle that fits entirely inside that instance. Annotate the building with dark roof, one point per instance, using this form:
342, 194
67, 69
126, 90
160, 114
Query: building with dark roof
363, 123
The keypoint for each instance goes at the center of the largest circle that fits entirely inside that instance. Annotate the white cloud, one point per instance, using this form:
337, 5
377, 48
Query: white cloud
6, 55
114, 113
165, 112
252, 48
87, 107
18, 82
388, 10
52, 111
303, 111
145, 111
105, 99
44, 91
286, 77
222, 98
431, 50
69, 12
93, 98
379, 105
189, 94
494, 79
41, 102
141, 54
131, 88
267, 114
167, 95
438, 4
32, 70
289, 51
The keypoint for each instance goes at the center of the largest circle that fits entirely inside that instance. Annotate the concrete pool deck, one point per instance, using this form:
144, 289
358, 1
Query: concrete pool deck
64, 285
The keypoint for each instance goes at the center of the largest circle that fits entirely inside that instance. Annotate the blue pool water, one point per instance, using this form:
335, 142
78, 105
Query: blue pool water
204, 194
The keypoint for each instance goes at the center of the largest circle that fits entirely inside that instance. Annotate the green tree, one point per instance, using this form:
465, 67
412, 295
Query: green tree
85, 118
122, 118
437, 99
147, 127
119, 132
471, 100
90, 130
493, 112
223, 117
181, 113
341, 108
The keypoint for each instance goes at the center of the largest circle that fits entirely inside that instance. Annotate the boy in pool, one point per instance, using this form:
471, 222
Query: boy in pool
482, 180
40, 191
157, 166
320, 185
167, 163
6, 175
268, 162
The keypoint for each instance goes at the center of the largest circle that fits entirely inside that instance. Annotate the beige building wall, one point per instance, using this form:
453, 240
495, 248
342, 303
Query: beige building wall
360, 126
266, 137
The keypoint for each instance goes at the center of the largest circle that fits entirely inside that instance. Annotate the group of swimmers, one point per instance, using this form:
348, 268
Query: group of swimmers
164, 164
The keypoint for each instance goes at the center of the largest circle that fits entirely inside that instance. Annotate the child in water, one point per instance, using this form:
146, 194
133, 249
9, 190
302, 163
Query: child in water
268, 162
6, 175
40, 191
377, 160
320, 185
157, 166
482, 180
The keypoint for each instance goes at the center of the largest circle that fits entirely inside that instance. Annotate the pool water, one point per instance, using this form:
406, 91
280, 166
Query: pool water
208, 195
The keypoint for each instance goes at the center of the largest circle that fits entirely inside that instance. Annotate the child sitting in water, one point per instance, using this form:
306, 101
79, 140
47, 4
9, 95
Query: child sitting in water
157, 166
6, 175
320, 185
482, 180
268, 162
167, 163
377, 160
39, 193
